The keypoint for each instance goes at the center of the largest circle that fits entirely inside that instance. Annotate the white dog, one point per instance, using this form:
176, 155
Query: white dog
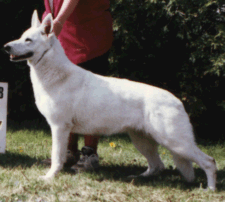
76, 100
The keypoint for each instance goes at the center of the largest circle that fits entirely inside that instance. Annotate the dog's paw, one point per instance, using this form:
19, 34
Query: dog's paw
208, 189
45, 177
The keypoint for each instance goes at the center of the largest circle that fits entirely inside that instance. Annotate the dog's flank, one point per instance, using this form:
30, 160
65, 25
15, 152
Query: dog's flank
75, 100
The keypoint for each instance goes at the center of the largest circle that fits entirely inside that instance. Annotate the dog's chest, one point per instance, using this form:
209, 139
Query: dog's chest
42, 97
42, 100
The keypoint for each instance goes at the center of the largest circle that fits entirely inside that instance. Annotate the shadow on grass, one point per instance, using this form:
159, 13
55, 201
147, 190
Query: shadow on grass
168, 178
12, 160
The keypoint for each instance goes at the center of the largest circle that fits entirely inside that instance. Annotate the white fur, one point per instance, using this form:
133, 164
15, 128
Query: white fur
76, 100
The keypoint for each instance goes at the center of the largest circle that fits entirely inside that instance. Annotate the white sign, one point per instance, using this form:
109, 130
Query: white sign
3, 115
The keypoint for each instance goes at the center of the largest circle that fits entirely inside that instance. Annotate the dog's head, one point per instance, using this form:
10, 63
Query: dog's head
33, 42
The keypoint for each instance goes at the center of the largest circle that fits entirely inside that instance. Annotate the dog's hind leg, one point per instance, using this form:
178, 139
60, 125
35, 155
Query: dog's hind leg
172, 129
149, 148
185, 167
179, 140
191, 153
208, 164
60, 137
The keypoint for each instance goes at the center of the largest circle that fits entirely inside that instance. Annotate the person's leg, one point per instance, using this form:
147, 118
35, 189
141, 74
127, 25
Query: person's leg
91, 141
73, 143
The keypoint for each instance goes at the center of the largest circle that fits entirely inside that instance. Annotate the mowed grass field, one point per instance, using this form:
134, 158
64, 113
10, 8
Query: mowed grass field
29, 142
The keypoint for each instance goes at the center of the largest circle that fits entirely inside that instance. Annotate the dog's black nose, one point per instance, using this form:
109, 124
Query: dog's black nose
7, 48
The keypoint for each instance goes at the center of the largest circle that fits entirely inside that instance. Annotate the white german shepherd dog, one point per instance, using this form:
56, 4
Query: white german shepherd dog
76, 100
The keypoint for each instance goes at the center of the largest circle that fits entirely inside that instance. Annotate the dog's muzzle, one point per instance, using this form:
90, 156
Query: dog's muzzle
8, 49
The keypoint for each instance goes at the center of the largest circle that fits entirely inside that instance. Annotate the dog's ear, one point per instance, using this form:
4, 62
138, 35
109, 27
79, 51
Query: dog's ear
47, 24
35, 22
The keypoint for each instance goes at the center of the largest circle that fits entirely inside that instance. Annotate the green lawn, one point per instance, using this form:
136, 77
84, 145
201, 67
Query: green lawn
30, 142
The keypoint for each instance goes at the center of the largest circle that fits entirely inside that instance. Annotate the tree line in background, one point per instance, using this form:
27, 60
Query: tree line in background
174, 44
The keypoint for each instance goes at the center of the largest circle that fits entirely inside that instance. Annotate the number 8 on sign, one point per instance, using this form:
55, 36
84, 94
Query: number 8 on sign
3, 115
1, 92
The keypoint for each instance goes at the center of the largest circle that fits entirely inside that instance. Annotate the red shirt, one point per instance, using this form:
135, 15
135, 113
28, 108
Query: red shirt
87, 33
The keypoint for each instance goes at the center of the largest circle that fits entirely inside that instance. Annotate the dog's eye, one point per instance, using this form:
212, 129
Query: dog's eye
28, 40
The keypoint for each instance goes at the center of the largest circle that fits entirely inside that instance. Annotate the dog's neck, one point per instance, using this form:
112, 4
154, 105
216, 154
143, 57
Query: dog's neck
52, 67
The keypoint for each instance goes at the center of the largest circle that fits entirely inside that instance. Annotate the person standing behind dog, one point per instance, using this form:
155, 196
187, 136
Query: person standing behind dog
84, 29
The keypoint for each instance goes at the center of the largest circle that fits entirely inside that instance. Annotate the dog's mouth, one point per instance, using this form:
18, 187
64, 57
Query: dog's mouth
21, 57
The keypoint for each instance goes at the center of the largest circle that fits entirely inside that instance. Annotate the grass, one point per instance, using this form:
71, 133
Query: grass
30, 142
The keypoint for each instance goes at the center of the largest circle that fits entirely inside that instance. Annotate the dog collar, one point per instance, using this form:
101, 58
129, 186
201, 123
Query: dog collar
42, 56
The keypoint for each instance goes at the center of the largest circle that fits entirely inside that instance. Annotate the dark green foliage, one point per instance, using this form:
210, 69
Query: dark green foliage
177, 45
174, 44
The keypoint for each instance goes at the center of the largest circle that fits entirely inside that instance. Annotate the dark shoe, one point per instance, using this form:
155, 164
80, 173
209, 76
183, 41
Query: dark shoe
70, 159
89, 161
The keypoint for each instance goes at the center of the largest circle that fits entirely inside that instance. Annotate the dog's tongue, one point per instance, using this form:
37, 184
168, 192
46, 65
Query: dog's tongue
13, 56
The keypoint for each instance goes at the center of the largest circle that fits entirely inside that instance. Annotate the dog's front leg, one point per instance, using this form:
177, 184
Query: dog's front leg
60, 136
